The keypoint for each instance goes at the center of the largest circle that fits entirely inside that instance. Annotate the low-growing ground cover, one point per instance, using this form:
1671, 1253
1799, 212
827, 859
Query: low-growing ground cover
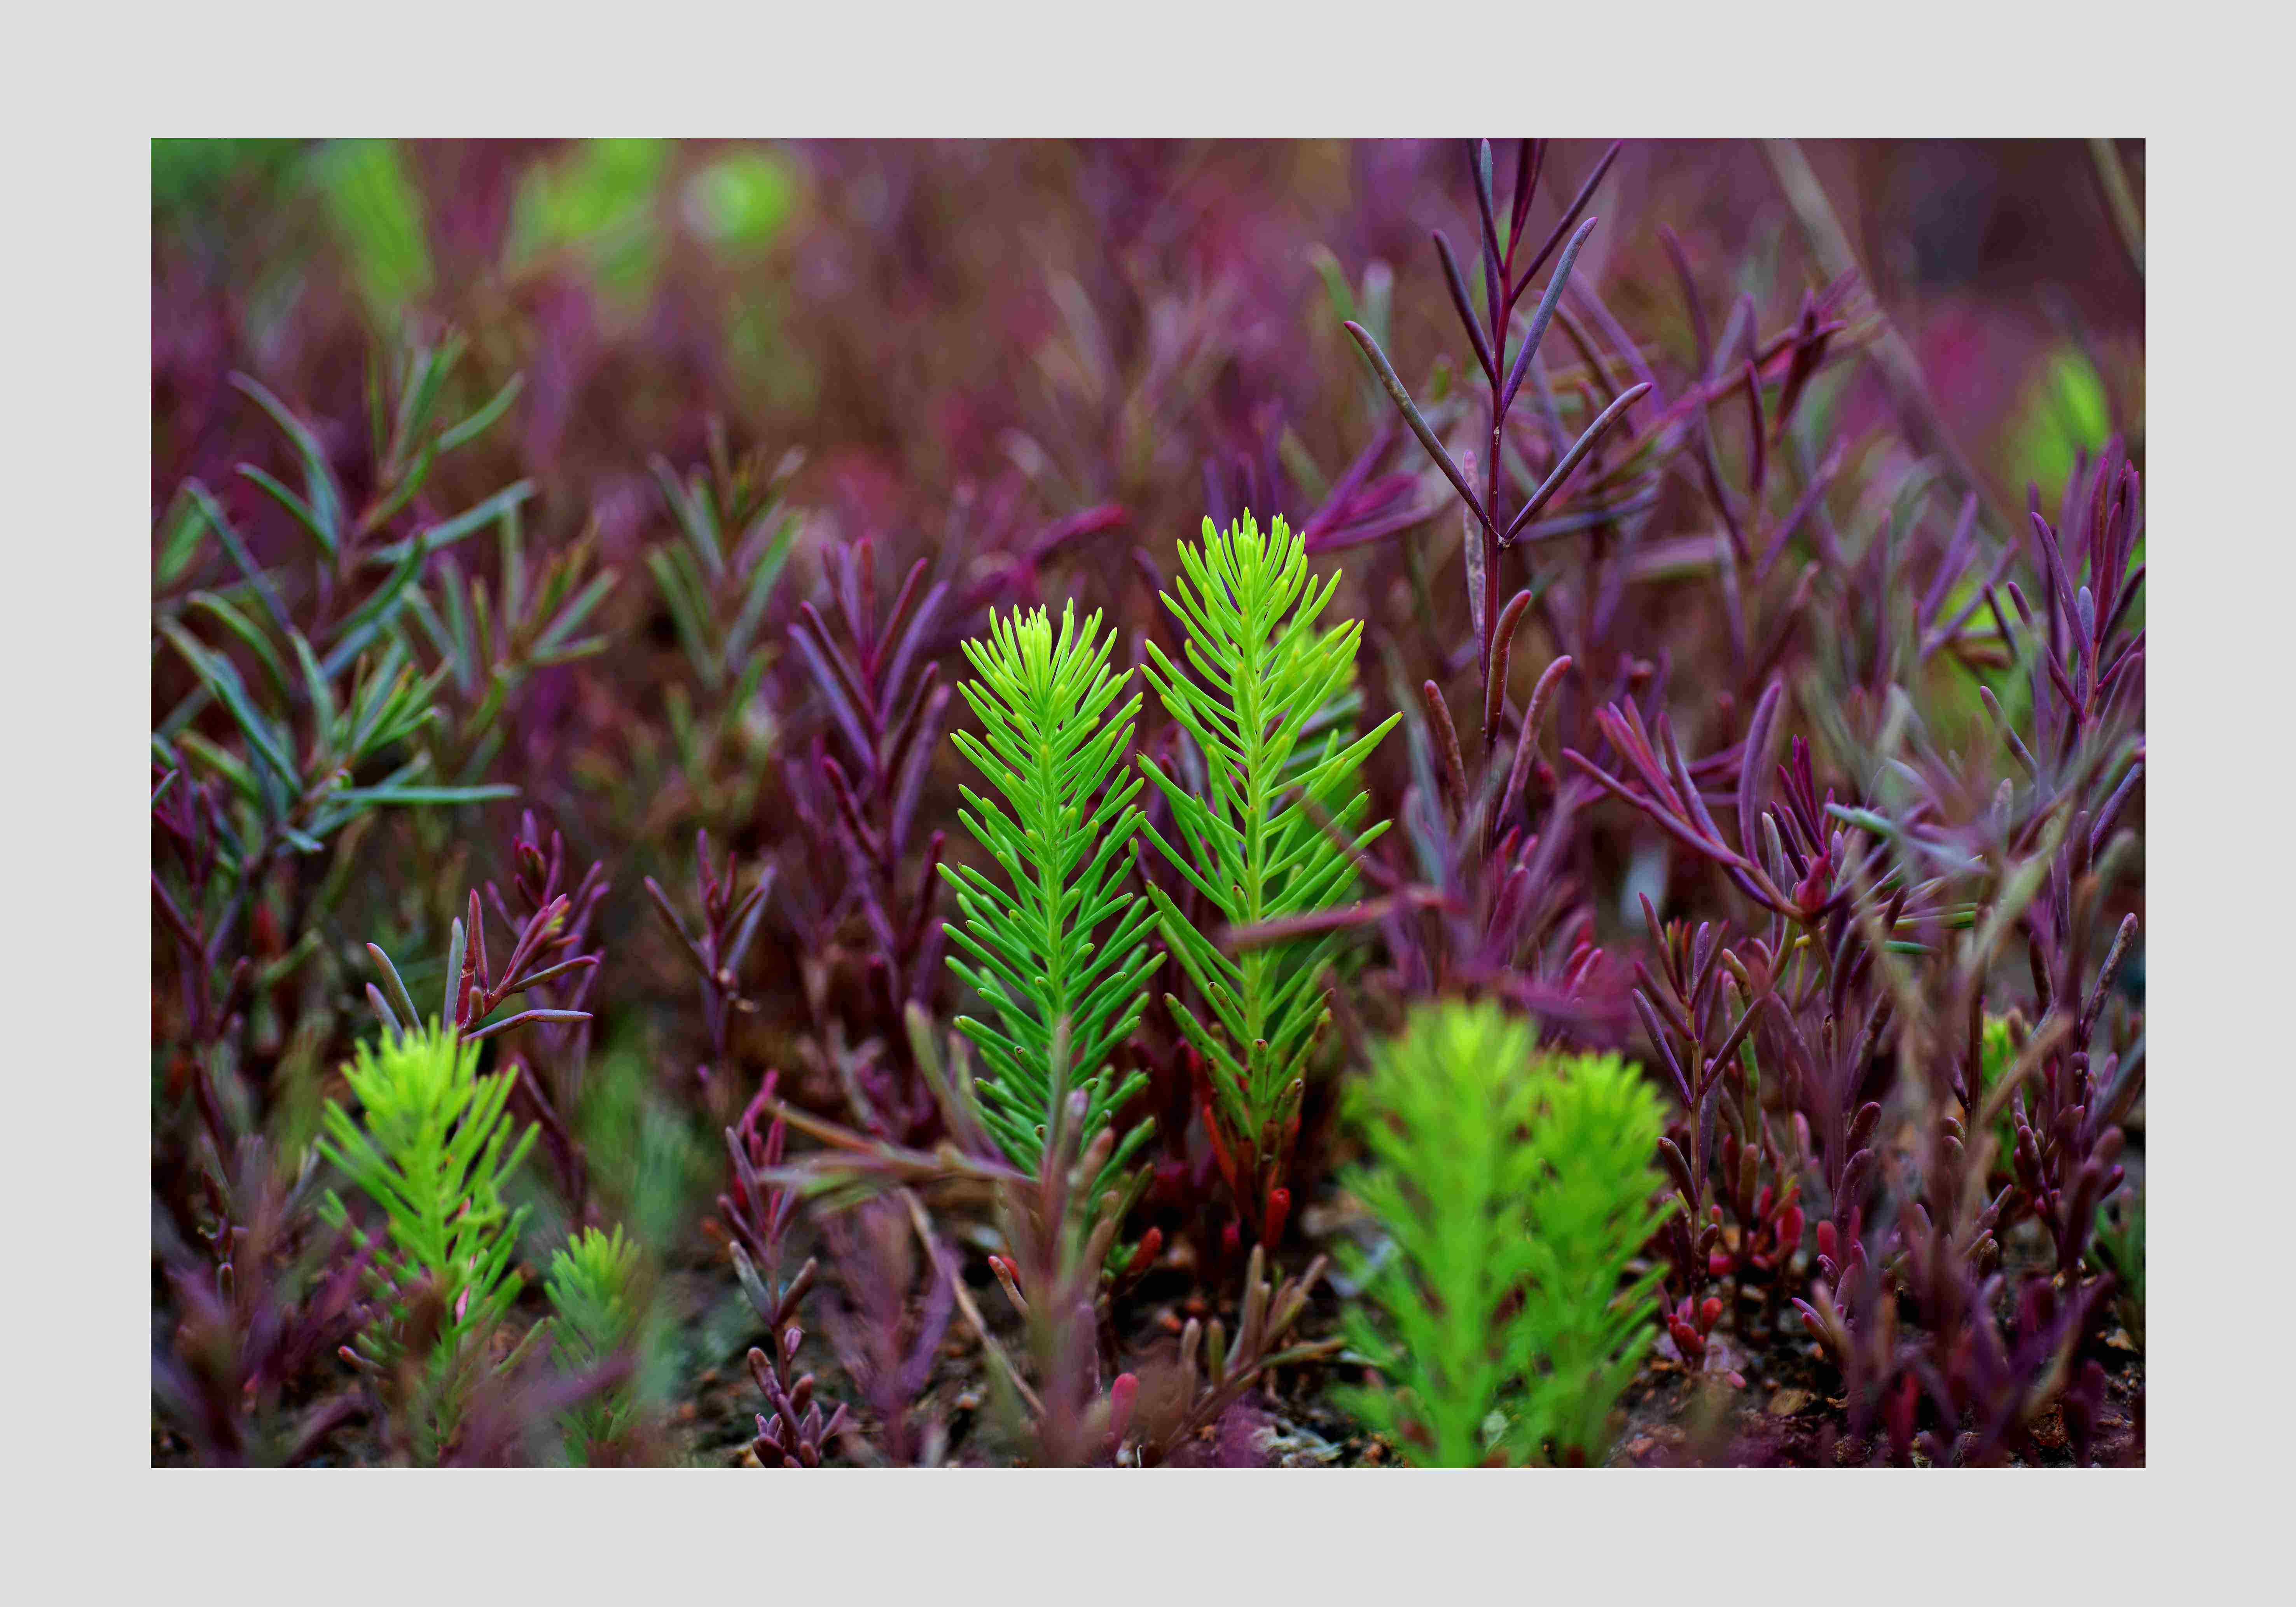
1081, 806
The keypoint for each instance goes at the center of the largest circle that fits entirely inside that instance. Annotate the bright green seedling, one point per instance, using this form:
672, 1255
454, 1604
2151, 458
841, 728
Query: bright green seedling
592, 1290
1062, 1001
1592, 1210
1514, 1188
1256, 838
432, 1150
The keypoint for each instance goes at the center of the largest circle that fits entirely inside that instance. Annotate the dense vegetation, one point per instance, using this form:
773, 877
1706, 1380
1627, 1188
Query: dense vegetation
1085, 805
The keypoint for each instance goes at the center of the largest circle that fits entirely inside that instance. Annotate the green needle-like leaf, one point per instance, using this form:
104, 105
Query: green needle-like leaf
1264, 677
1514, 1188
1063, 999
433, 1149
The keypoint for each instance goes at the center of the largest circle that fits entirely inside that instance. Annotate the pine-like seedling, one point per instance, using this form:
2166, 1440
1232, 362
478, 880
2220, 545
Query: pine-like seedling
433, 1150
1515, 1187
1260, 843
592, 1286
1592, 1209
1062, 1001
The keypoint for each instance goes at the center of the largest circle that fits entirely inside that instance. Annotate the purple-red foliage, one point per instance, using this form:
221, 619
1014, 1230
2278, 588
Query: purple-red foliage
1624, 523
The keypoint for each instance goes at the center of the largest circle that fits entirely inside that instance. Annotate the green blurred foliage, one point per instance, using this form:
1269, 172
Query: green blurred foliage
597, 1289
189, 173
742, 199
600, 201
645, 1162
377, 210
2065, 410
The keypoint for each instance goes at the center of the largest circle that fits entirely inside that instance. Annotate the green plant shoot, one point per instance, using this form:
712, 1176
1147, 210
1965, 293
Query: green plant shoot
592, 1286
433, 1152
1259, 842
1062, 1002
1514, 1187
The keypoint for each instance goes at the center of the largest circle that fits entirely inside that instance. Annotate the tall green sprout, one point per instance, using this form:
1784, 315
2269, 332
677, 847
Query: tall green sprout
1062, 1001
1515, 1188
1593, 1208
592, 1289
433, 1150
1259, 842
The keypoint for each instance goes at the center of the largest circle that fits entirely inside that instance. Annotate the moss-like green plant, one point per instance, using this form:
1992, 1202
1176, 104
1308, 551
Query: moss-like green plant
432, 1150
592, 1286
1514, 1187
1593, 1208
1062, 1002
1258, 843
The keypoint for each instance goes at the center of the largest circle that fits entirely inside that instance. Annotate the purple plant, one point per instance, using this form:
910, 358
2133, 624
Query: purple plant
886, 702
474, 989
265, 1302
729, 925
1159, 1413
1883, 920
794, 1433
189, 817
561, 1021
1496, 527
886, 1336
759, 1210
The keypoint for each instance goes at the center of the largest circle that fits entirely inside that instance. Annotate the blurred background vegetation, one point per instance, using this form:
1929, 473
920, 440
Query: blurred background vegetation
803, 291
